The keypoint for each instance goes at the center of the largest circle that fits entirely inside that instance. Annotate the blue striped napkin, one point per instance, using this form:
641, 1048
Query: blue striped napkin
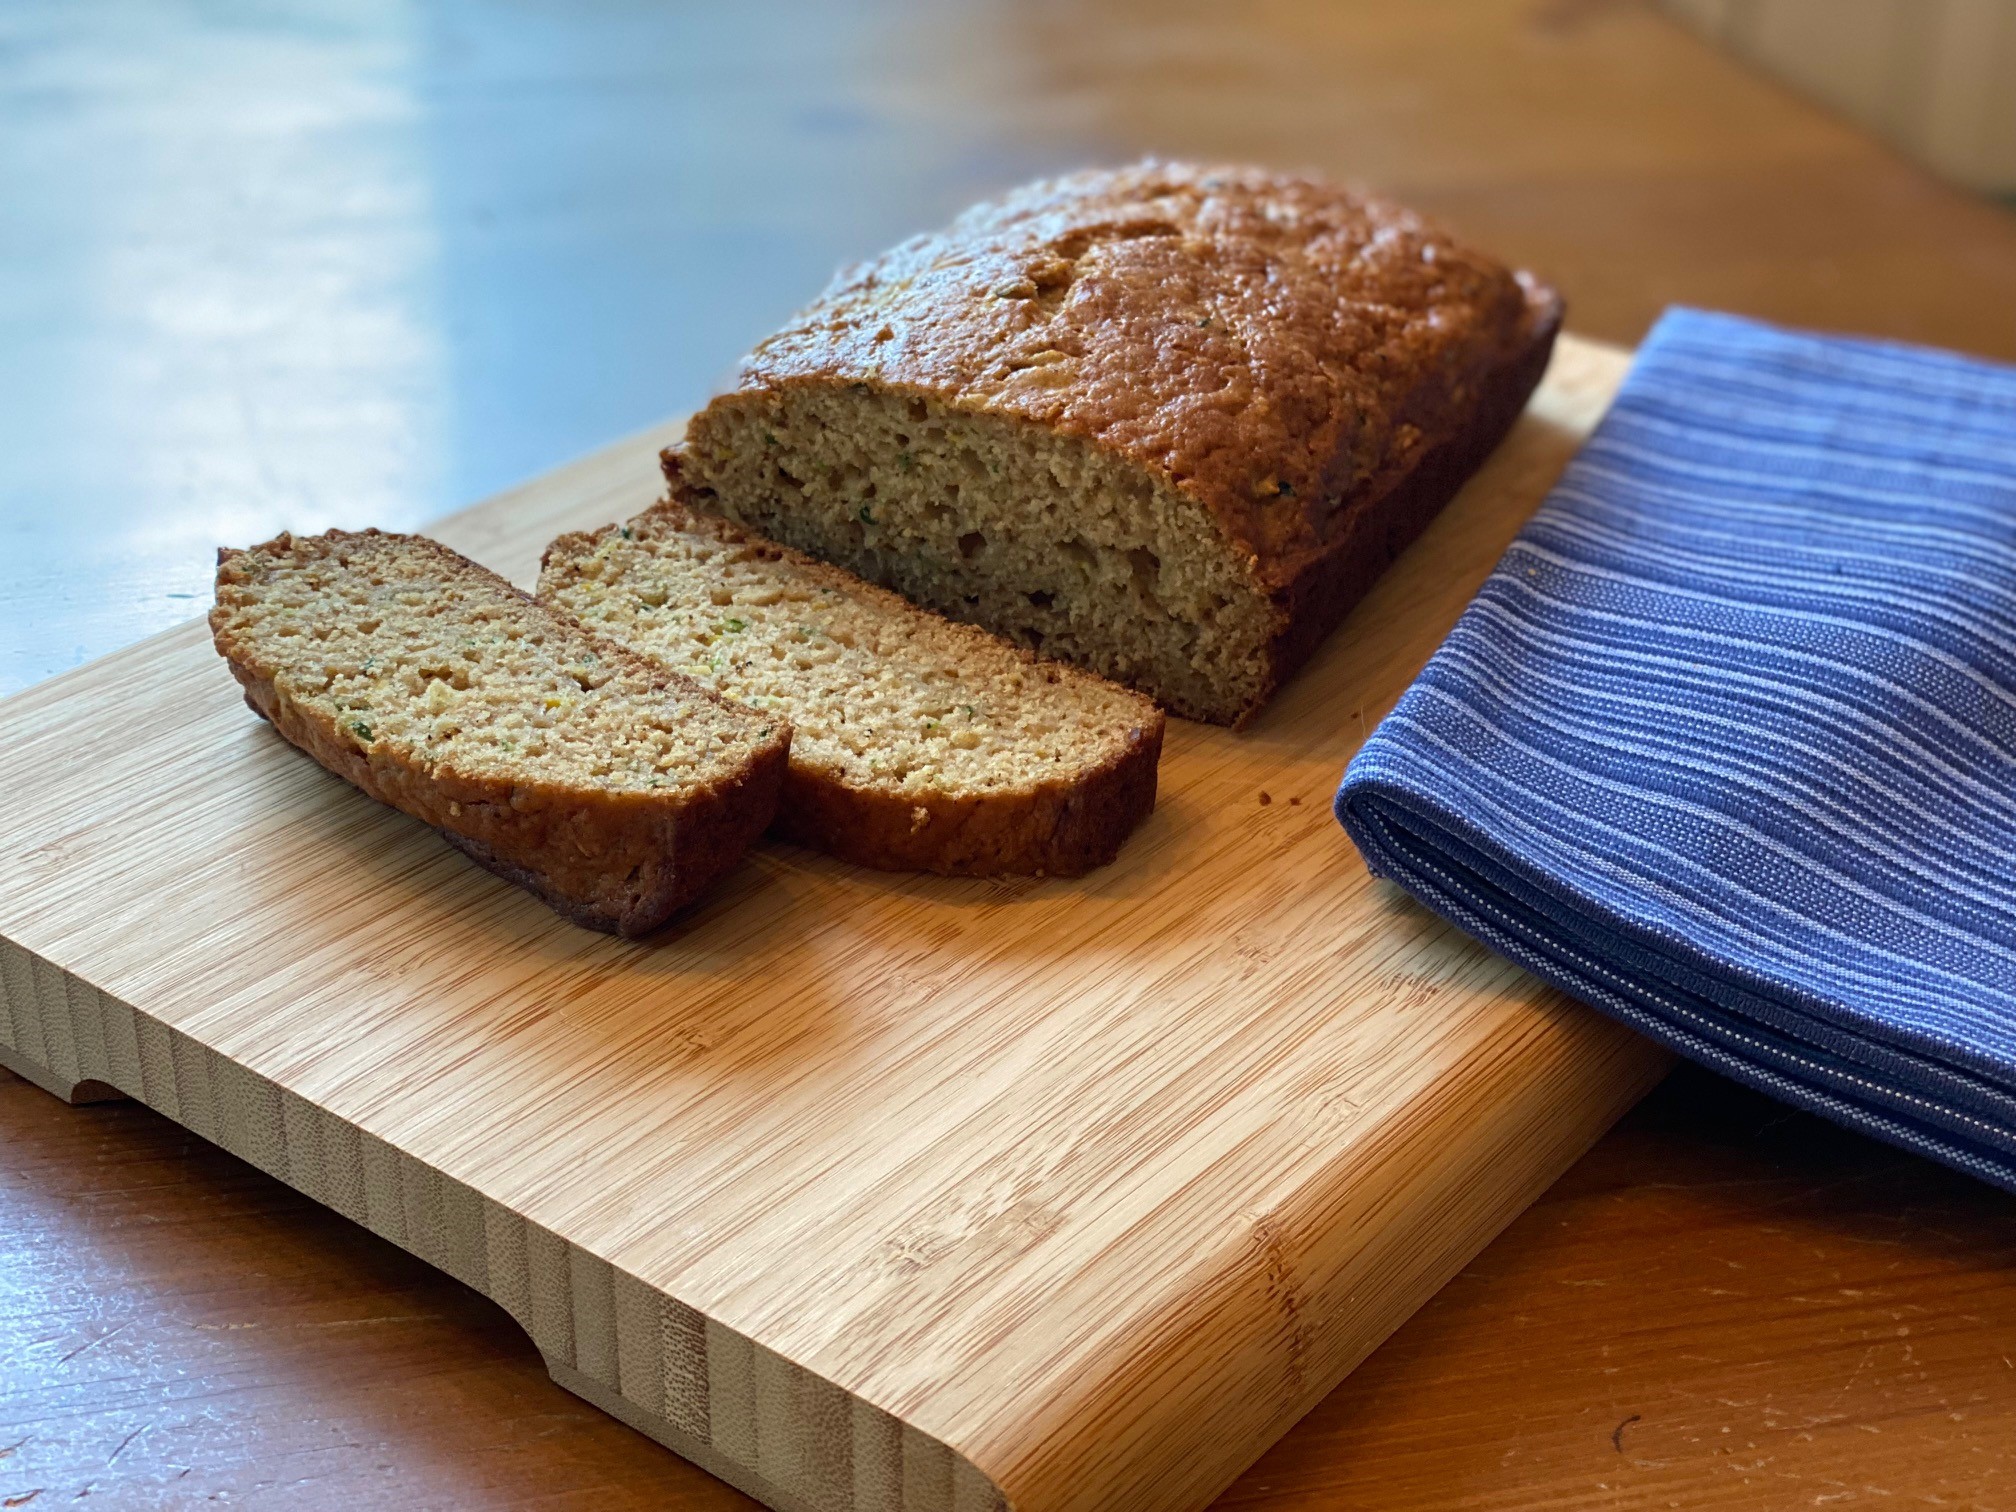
1726, 746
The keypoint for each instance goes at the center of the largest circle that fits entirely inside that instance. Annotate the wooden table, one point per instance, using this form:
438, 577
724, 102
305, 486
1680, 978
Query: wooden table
1725, 1305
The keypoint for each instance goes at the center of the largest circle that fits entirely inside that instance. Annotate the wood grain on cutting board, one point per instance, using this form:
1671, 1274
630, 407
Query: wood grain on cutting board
862, 1190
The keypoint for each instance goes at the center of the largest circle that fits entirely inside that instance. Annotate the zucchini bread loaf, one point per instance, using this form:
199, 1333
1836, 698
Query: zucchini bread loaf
612, 788
917, 744
1167, 422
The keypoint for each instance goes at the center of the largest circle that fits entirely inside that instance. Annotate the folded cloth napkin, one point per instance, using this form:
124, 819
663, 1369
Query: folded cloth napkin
1726, 746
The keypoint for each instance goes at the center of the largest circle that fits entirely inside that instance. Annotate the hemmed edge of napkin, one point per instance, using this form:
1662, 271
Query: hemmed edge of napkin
1357, 809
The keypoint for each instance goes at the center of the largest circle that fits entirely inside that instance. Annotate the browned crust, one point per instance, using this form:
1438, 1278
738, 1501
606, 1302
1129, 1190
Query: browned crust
712, 833
618, 862
1320, 370
1391, 511
1057, 829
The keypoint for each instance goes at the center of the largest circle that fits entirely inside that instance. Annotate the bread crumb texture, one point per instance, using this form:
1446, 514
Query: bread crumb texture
880, 695
414, 655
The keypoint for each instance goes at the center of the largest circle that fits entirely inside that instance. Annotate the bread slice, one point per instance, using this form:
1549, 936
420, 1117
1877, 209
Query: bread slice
919, 744
610, 787
1168, 422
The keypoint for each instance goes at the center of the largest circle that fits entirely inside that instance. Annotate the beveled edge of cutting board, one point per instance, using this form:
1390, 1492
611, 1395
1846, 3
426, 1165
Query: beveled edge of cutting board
743, 1413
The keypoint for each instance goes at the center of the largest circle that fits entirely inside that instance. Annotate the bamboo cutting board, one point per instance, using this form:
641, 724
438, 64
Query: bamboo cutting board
869, 1193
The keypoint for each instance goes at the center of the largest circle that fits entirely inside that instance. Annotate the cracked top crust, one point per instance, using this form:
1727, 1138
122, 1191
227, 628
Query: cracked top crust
1272, 344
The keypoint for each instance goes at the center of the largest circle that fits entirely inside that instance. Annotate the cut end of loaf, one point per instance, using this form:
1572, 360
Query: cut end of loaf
1163, 421
1067, 549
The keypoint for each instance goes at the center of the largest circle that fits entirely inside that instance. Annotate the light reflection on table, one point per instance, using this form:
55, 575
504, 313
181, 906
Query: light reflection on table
362, 264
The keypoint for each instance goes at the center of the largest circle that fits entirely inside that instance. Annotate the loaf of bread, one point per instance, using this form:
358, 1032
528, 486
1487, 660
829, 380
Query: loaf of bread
917, 744
1165, 422
612, 788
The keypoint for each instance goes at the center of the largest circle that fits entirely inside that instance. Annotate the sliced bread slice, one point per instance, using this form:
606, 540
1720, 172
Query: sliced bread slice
612, 788
918, 744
